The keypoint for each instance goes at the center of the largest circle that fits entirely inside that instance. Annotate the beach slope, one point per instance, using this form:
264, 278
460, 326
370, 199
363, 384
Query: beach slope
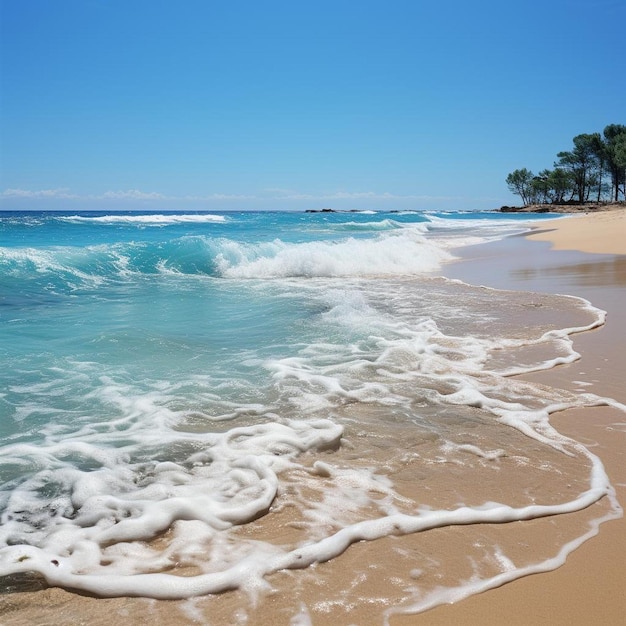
582, 255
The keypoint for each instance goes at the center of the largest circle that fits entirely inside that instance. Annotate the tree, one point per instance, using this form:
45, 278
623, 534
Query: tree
600, 150
554, 185
620, 161
615, 147
520, 182
562, 185
579, 172
620, 151
581, 162
541, 187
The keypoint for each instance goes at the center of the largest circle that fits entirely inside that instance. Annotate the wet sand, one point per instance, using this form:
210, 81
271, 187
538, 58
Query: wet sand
591, 587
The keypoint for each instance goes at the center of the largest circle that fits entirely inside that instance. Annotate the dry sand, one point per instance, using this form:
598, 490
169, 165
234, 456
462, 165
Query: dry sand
595, 233
590, 587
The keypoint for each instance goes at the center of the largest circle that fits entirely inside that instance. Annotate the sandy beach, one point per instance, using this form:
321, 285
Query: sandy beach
583, 255
603, 232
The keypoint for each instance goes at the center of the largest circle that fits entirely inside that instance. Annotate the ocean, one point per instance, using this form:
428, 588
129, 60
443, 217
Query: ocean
194, 404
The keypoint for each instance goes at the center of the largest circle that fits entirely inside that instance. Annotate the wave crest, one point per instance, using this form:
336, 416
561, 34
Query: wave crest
158, 219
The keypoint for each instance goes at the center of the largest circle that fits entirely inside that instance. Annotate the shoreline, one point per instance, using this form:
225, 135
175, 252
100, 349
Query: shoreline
586, 589
589, 587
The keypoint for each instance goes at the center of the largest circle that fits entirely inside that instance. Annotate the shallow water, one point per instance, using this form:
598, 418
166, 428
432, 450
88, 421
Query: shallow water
199, 403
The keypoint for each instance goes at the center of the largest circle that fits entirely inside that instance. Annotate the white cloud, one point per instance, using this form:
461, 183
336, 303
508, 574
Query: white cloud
62, 193
218, 196
358, 195
126, 194
65, 194
268, 194
281, 191
287, 194
131, 194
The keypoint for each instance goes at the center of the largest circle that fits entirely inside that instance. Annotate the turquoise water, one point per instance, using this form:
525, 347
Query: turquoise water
150, 298
170, 370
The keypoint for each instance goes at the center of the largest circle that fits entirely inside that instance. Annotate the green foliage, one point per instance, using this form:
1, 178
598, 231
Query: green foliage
615, 143
520, 182
619, 154
553, 186
580, 174
580, 162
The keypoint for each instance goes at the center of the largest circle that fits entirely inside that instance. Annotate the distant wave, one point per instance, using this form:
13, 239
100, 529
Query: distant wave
158, 219
386, 224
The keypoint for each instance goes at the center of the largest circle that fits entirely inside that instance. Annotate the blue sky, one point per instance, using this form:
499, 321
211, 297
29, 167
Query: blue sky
231, 105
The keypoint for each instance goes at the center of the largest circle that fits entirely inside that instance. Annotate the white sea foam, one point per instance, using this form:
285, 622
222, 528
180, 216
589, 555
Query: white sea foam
79, 560
449, 595
481, 229
216, 479
404, 252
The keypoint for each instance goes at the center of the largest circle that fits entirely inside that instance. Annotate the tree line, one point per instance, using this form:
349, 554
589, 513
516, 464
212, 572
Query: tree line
593, 171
